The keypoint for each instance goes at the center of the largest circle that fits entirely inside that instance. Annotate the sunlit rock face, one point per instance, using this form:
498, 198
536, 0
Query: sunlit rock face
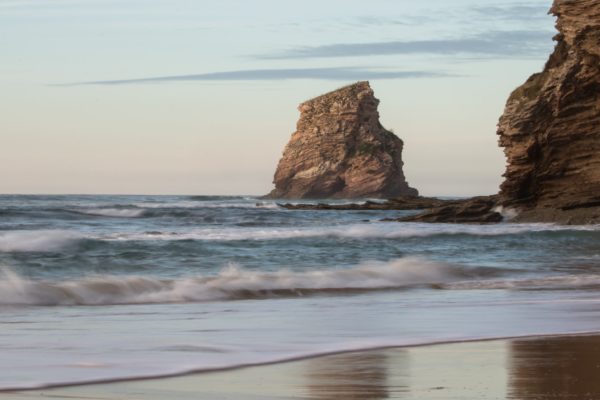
341, 150
550, 130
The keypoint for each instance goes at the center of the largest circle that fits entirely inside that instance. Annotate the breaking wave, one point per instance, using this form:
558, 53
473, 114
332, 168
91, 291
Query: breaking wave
37, 241
236, 283
113, 212
231, 283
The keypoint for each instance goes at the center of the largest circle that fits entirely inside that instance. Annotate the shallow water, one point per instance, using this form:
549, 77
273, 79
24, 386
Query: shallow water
109, 287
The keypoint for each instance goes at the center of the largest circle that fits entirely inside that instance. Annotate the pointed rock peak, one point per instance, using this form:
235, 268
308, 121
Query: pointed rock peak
355, 90
341, 150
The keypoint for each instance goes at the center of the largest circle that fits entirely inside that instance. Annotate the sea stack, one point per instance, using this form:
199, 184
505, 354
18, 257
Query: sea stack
550, 130
341, 150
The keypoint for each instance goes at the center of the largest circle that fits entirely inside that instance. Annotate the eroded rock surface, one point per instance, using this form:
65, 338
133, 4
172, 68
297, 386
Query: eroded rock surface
341, 150
550, 129
476, 210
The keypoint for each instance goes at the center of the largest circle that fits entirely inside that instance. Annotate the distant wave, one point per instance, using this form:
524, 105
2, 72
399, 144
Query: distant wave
113, 212
207, 204
180, 209
232, 283
220, 198
37, 240
388, 230
48, 240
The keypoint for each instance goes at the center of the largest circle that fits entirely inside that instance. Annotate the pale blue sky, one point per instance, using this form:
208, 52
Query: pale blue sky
176, 96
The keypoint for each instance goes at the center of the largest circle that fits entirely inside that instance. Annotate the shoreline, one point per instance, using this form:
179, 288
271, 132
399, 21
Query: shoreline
535, 367
291, 360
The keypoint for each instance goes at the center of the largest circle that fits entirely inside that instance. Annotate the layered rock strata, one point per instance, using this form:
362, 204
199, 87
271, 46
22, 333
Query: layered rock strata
550, 130
476, 210
341, 150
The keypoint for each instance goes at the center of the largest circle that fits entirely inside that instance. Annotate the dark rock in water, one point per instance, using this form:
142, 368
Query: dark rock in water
550, 129
399, 203
341, 150
474, 210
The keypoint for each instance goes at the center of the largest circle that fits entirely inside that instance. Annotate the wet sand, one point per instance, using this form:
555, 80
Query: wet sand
536, 368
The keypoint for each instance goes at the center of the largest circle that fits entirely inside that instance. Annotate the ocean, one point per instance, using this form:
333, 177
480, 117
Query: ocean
105, 288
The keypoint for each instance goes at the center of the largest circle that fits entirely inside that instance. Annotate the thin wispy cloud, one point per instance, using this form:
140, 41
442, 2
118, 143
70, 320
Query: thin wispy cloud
369, 21
514, 12
494, 44
333, 74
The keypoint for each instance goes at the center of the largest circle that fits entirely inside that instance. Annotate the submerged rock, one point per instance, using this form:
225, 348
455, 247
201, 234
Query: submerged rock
550, 129
341, 150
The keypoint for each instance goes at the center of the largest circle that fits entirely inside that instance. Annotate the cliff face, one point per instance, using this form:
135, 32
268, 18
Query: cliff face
340, 150
550, 129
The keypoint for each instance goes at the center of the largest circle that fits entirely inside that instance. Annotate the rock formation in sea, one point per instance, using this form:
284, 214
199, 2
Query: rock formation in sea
475, 210
341, 150
478, 210
550, 130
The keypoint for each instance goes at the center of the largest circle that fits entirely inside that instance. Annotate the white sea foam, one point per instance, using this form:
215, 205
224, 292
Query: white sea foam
233, 282
508, 214
236, 283
36, 240
548, 282
208, 204
113, 212
383, 230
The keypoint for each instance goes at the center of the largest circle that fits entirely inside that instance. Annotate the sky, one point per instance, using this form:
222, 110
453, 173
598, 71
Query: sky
200, 97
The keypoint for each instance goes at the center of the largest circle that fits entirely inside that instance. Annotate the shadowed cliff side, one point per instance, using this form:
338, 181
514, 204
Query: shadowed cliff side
341, 150
550, 129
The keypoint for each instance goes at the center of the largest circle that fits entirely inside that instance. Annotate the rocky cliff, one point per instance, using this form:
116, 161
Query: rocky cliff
550, 129
340, 150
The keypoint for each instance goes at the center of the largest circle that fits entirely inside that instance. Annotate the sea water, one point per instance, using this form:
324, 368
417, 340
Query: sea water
101, 288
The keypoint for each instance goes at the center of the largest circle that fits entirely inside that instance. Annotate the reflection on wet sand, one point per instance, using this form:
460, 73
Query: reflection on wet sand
540, 369
352, 376
555, 368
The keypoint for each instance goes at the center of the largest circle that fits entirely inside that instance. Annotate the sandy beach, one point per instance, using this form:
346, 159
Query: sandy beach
535, 368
